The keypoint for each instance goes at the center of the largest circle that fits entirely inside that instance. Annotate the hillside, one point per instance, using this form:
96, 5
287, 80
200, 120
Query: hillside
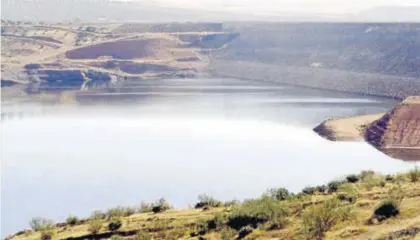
54, 58
363, 206
395, 133
366, 58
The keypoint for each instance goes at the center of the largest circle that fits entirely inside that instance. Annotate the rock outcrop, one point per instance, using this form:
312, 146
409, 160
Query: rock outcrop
396, 133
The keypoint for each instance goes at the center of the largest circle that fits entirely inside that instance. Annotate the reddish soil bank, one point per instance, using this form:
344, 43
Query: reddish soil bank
397, 133
124, 49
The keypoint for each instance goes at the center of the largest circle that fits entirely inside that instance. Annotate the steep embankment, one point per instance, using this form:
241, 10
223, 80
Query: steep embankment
396, 133
332, 79
367, 58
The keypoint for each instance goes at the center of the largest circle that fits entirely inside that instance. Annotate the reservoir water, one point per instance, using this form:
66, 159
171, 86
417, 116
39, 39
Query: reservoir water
176, 139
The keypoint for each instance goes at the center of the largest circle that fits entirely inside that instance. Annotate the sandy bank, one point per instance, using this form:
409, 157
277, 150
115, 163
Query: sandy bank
395, 133
346, 129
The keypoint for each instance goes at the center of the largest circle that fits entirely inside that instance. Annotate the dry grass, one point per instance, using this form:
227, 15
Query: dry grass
175, 223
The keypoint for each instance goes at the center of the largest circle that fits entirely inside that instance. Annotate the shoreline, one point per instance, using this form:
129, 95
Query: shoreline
368, 84
396, 133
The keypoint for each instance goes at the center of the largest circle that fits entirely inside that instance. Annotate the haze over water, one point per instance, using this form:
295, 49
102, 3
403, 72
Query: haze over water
229, 138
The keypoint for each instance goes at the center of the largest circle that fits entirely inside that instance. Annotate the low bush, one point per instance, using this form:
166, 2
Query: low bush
321, 188
308, 190
72, 220
347, 192
414, 175
231, 203
397, 194
115, 212
319, 219
97, 214
227, 233
280, 194
114, 225
333, 186
95, 225
386, 209
145, 207
389, 178
205, 200
217, 222
161, 206
244, 231
371, 181
39, 223
255, 212
367, 173
47, 234
128, 211
352, 178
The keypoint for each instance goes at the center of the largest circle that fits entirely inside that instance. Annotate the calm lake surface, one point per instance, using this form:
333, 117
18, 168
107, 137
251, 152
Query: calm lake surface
229, 138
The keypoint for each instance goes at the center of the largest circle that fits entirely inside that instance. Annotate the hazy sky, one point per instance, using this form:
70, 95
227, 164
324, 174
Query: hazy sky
273, 6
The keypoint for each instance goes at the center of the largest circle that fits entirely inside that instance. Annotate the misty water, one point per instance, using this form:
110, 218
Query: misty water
229, 138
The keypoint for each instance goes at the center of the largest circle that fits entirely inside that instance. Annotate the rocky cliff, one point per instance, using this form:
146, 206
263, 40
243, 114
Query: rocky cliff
395, 133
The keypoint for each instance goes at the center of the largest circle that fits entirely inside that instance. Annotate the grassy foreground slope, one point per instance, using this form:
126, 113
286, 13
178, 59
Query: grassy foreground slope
363, 206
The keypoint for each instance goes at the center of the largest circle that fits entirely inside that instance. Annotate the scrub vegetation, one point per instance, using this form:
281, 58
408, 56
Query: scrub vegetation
367, 205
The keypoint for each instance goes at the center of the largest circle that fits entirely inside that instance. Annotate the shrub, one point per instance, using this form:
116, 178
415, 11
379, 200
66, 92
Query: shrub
160, 206
321, 188
371, 181
389, 178
259, 211
364, 174
352, 178
128, 211
145, 207
414, 175
95, 225
205, 200
308, 190
280, 194
243, 232
386, 209
232, 203
227, 234
333, 186
39, 223
217, 222
142, 235
72, 220
47, 234
319, 219
397, 194
348, 192
115, 212
97, 214
114, 225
